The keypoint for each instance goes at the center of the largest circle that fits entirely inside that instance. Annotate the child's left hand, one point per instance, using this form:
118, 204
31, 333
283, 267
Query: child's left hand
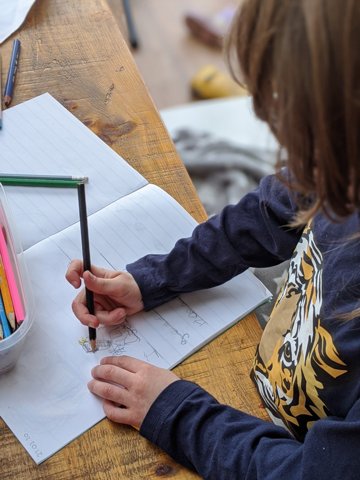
128, 387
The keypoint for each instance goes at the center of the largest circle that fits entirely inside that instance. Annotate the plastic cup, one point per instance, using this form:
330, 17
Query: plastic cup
12, 346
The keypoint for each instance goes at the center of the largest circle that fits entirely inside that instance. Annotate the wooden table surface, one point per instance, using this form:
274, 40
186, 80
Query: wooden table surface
75, 51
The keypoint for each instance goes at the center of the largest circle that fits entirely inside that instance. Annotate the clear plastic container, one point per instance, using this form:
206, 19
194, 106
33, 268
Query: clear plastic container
12, 346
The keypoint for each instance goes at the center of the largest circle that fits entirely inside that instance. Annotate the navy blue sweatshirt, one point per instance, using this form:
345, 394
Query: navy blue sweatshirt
307, 366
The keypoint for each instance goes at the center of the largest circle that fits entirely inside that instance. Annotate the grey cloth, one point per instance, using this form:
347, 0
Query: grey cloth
222, 173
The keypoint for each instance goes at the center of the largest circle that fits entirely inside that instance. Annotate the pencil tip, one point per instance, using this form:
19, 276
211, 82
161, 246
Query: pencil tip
93, 345
11, 319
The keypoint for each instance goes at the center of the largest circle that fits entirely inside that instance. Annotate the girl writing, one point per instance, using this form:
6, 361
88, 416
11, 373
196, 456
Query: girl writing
301, 63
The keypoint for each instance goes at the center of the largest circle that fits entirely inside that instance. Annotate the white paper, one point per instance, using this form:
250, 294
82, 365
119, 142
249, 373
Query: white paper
41, 137
238, 124
45, 400
13, 14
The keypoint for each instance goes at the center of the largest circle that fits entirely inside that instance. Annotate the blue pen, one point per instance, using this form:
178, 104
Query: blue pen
10, 81
4, 321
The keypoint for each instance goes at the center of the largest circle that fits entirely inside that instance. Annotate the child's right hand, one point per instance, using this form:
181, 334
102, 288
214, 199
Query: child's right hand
116, 294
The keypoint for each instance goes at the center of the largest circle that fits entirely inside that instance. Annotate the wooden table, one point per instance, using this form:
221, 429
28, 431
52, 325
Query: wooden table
75, 51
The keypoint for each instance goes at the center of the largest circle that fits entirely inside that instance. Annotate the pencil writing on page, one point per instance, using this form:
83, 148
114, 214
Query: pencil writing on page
10, 81
10, 276
86, 257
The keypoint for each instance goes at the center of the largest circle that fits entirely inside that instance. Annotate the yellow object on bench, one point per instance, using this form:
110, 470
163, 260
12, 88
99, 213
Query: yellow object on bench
210, 82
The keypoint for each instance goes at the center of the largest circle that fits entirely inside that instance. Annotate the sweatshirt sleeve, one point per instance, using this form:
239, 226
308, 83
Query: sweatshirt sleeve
252, 233
221, 443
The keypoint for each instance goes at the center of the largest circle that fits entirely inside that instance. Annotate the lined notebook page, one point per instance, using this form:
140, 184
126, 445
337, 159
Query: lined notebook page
41, 137
55, 366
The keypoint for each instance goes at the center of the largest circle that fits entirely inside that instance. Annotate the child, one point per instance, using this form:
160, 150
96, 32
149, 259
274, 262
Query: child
301, 62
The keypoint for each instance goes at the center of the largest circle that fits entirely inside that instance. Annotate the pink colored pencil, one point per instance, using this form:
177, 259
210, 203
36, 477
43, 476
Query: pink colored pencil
10, 276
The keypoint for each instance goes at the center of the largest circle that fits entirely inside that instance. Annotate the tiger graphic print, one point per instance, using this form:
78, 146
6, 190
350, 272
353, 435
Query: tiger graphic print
290, 367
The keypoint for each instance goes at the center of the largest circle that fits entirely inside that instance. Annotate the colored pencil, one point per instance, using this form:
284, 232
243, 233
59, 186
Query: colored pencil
86, 257
11, 280
38, 182
4, 321
43, 177
10, 81
0, 93
6, 296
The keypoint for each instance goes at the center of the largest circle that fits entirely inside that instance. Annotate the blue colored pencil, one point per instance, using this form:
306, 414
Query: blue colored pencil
4, 321
10, 81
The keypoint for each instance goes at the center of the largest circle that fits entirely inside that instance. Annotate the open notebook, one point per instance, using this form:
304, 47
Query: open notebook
44, 399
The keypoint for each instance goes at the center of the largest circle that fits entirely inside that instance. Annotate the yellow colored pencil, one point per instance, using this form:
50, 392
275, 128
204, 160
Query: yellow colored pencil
7, 300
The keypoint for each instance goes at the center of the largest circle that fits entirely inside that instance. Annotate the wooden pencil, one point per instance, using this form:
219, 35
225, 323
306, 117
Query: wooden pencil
29, 176
10, 81
11, 278
6, 296
38, 182
86, 257
0, 93
4, 321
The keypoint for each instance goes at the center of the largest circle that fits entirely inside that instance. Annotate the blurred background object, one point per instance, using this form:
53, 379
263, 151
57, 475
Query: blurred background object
130, 24
169, 54
210, 29
209, 116
224, 147
210, 82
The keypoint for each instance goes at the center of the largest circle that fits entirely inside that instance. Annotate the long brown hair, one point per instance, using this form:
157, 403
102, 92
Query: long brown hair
300, 60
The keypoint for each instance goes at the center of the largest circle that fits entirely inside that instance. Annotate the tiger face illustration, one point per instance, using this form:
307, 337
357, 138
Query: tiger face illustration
299, 354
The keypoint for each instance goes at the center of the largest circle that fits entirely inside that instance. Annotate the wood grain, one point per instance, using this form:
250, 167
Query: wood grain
74, 50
